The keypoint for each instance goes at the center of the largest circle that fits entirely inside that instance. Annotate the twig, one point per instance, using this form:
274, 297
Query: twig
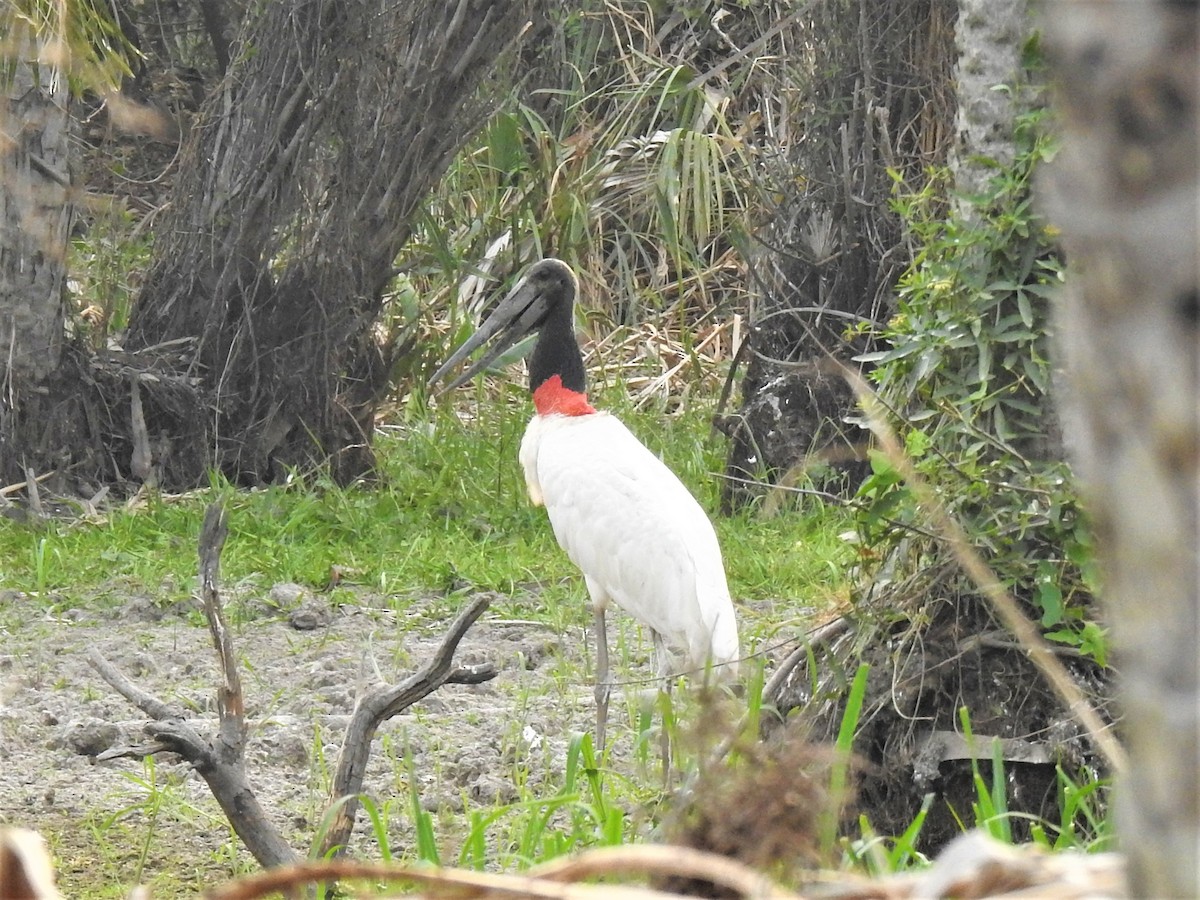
150, 705
975, 641
459, 883
658, 859
657, 383
474, 674
229, 695
380, 705
814, 640
35, 496
21, 485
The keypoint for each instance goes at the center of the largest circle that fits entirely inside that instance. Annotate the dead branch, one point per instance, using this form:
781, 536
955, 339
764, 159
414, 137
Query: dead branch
22, 485
816, 639
458, 883
661, 860
150, 705
220, 761
220, 764
386, 701
230, 703
974, 865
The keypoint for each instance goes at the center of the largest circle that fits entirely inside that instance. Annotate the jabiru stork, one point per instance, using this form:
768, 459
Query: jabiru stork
624, 518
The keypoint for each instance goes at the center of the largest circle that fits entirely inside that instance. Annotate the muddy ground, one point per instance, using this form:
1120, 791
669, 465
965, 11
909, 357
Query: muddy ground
114, 821
304, 664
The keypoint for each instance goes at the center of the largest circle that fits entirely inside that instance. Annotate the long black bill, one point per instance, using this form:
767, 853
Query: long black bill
514, 317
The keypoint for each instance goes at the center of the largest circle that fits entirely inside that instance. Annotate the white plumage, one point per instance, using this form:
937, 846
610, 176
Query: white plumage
637, 534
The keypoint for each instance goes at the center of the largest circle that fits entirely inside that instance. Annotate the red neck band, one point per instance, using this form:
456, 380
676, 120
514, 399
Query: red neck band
552, 398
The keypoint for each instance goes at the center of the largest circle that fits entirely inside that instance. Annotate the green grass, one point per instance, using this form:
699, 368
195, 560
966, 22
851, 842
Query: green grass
448, 513
106, 852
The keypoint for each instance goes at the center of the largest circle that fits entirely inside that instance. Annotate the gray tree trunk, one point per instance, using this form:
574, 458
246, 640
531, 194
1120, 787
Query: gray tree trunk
35, 222
989, 36
992, 90
1126, 192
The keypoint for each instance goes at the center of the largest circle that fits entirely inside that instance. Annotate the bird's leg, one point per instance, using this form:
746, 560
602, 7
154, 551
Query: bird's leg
662, 666
603, 686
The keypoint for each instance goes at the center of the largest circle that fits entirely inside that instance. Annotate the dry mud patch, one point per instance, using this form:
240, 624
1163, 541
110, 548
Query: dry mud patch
473, 746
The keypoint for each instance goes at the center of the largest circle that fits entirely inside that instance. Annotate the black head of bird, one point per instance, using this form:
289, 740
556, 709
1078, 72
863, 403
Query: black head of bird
543, 301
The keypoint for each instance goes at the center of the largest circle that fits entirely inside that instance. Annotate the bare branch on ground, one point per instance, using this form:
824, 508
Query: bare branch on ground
383, 703
220, 760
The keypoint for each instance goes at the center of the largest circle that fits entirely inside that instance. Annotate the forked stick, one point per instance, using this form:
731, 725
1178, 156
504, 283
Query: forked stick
221, 760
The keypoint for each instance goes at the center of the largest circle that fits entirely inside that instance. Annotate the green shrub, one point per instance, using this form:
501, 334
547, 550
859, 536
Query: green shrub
967, 374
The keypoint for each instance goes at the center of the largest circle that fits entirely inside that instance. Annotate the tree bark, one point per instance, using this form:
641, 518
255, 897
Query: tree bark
873, 79
294, 201
35, 214
991, 87
1126, 193
35, 218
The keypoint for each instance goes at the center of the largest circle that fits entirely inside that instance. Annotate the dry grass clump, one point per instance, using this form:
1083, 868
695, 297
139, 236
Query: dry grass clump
769, 805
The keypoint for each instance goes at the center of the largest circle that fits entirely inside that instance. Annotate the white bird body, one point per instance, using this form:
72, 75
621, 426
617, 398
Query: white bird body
637, 534
629, 524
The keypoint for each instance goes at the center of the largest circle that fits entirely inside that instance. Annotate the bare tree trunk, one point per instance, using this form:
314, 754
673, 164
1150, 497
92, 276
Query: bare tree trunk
1126, 192
989, 79
35, 215
282, 233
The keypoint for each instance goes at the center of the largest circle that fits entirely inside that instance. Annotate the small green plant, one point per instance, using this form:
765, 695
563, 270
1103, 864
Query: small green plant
426, 848
42, 552
839, 780
150, 806
991, 800
1084, 814
881, 855
581, 813
1085, 822
104, 257
157, 801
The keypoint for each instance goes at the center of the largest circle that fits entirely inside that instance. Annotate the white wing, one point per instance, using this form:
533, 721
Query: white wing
632, 527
